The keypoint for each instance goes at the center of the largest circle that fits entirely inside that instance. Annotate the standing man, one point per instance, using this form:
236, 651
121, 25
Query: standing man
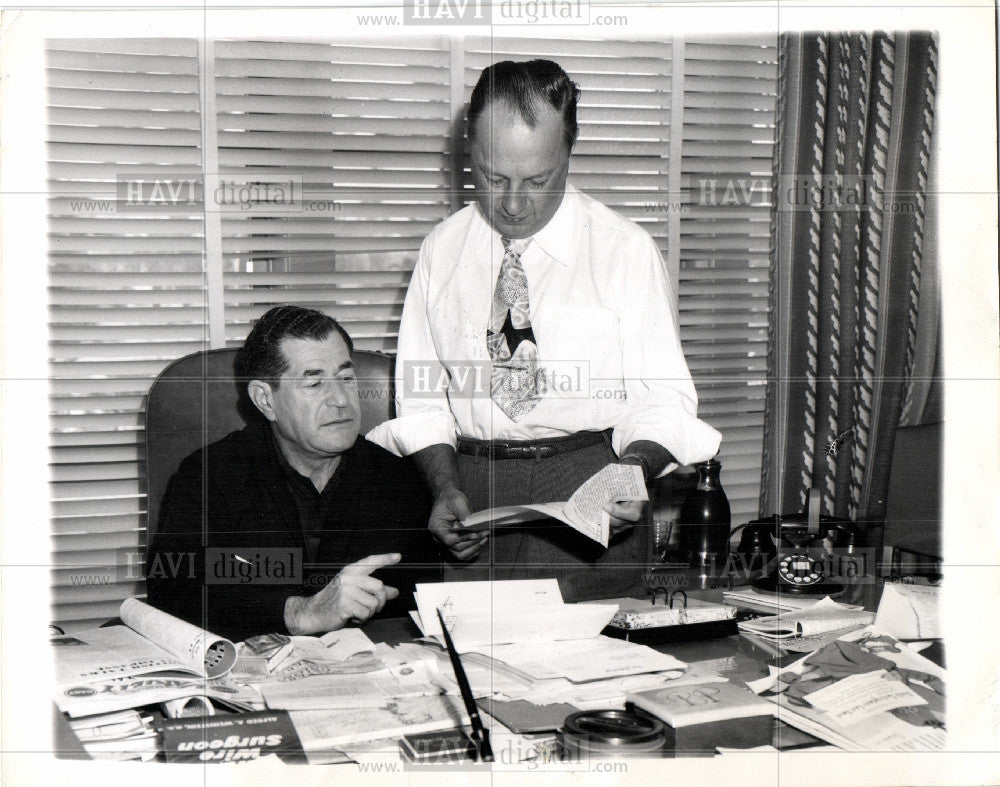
552, 327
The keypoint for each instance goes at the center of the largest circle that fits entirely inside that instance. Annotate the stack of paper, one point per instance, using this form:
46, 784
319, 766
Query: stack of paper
122, 735
807, 629
866, 691
764, 601
521, 642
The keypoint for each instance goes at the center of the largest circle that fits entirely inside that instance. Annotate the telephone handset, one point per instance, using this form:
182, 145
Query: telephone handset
805, 552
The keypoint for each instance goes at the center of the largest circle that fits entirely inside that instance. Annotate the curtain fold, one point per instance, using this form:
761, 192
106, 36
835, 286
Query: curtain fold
852, 154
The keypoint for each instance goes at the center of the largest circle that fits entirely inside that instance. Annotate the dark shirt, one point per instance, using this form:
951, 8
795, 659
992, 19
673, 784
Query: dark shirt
313, 505
235, 529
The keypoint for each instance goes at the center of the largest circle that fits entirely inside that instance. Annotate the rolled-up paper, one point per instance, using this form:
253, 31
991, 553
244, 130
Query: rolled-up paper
203, 652
188, 706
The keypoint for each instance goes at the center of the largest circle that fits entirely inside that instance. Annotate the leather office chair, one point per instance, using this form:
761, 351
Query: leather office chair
195, 401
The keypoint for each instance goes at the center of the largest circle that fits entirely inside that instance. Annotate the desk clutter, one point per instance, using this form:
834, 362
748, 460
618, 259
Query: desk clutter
546, 683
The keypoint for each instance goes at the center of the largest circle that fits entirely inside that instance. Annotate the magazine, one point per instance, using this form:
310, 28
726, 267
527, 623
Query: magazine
154, 657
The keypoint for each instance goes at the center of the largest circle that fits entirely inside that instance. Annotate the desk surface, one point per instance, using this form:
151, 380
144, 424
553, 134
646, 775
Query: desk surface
733, 657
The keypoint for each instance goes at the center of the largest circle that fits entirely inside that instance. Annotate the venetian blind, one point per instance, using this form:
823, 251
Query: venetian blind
727, 109
126, 294
366, 127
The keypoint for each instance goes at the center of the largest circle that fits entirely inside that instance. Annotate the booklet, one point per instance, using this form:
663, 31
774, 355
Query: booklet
154, 657
584, 511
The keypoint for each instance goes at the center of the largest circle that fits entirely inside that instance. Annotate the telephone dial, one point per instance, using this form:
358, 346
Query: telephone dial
802, 553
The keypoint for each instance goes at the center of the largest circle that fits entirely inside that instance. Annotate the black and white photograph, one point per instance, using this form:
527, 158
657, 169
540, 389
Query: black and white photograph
490, 391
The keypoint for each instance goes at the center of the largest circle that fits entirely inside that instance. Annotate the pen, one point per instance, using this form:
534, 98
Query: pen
480, 735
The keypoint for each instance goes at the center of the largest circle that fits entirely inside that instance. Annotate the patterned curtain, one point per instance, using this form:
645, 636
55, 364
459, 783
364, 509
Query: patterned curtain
854, 123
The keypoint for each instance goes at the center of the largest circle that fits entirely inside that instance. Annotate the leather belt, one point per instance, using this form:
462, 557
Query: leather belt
531, 449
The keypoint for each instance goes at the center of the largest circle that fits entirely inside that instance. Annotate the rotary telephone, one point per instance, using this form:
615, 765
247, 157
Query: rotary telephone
804, 552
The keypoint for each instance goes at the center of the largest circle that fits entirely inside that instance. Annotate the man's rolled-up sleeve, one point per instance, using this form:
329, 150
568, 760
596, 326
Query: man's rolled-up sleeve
423, 415
661, 401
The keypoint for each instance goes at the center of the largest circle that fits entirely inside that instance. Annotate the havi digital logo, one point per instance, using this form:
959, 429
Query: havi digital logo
443, 12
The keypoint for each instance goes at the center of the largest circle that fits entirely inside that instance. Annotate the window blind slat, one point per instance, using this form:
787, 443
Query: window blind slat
359, 74
94, 61
84, 525
253, 86
142, 47
350, 106
560, 49
407, 52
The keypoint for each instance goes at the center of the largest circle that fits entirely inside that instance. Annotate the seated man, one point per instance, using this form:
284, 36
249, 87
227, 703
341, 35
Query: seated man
288, 518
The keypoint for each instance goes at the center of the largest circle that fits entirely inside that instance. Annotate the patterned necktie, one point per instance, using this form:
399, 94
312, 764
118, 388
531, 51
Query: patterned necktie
509, 338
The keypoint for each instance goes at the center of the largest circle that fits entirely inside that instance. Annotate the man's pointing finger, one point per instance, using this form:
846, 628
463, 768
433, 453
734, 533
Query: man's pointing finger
369, 564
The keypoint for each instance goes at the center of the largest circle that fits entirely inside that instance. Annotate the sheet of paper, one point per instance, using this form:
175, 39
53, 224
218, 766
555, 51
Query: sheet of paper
812, 642
583, 660
479, 598
334, 645
110, 652
505, 516
320, 729
371, 690
858, 697
780, 602
539, 623
887, 733
585, 509
909, 611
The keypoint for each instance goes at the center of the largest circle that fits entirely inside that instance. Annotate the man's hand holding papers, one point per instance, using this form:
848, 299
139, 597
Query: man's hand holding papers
614, 489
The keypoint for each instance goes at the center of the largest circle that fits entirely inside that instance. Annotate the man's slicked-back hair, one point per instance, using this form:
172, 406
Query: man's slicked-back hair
261, 358
522, 86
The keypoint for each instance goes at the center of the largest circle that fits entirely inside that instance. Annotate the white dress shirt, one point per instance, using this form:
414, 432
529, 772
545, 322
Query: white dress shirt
604, 318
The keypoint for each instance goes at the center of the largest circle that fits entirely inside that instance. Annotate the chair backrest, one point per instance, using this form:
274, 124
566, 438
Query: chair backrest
195, 401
